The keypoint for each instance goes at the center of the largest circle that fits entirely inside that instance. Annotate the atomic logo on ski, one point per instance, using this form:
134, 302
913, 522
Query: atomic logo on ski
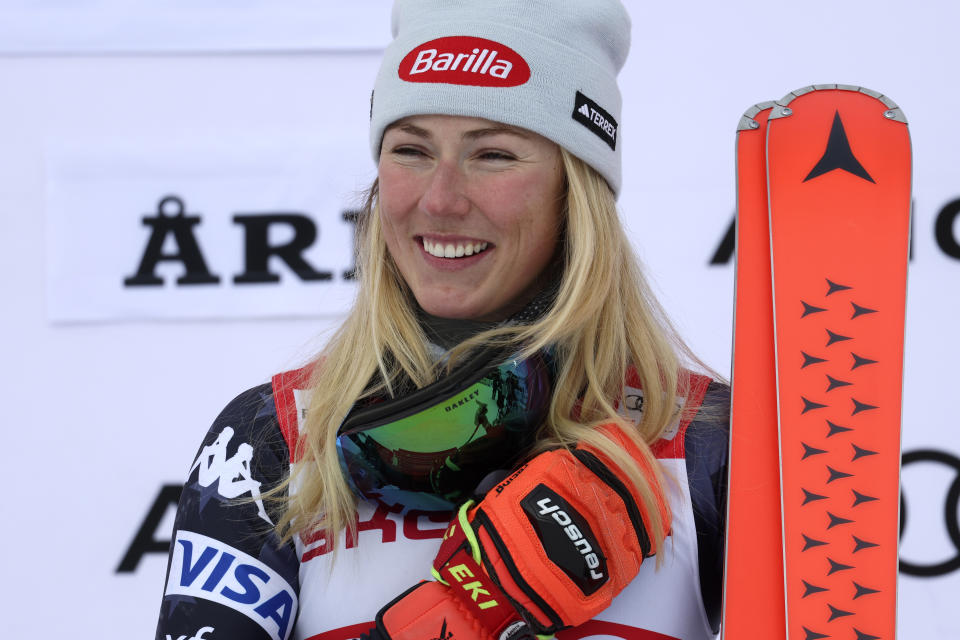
838, 155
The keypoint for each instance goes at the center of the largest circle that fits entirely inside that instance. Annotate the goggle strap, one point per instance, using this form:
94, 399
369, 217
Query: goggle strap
459, 534
468, 531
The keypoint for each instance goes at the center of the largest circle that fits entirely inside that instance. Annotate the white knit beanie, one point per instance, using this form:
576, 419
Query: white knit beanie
549, 66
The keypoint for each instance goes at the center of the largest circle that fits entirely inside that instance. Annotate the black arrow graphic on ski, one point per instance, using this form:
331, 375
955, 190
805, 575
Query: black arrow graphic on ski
838, 155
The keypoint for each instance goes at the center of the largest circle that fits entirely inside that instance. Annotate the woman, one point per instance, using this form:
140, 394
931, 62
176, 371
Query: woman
493, 364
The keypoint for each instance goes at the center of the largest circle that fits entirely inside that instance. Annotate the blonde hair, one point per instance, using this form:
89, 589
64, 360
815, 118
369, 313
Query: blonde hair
604, 320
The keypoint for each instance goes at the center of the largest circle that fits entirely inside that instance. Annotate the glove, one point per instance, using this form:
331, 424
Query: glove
546, 549
463, 604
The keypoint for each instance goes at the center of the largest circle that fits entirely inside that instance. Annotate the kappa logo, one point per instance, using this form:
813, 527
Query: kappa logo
199, 635
465, 60
596, 119
232, 474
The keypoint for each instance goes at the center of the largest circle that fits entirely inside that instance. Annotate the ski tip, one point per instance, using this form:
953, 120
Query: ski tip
782, 110
747, 120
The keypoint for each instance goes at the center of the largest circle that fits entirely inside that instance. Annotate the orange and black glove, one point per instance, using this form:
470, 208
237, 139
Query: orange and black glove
546, 549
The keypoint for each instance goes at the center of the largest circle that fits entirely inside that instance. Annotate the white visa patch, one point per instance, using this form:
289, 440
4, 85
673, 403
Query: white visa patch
203, 567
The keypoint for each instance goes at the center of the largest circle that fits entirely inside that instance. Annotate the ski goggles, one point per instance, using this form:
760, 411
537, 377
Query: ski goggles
432, 448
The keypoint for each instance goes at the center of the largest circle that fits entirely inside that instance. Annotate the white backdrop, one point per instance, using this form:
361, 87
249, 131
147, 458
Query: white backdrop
256, 115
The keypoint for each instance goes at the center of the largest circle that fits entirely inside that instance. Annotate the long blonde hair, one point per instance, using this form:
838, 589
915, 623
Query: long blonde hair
604, 320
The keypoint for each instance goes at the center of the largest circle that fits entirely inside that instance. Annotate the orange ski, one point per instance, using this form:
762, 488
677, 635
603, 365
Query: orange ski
838, 170
753, 575
831, 166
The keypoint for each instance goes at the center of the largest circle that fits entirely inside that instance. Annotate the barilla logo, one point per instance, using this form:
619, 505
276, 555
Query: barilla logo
465, 60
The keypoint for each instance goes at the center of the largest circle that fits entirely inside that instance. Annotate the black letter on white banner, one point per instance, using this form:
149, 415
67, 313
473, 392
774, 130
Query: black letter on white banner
946, 238
352, 217
257, 249
144, 541
170, 219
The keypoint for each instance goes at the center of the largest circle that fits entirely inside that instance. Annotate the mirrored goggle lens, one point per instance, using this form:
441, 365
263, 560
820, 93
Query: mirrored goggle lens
438, 453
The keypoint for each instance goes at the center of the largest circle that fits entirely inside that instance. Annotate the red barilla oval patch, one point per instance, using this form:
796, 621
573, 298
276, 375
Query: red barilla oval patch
465, 60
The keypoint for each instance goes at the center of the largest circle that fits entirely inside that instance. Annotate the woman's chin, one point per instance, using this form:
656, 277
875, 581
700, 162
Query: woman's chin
454, 307
451, 311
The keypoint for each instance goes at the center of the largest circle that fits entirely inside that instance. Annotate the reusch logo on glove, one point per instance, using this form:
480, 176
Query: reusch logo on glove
465, 60
567, 538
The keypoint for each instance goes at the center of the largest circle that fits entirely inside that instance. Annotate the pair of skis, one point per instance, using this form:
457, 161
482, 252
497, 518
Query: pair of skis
823, 205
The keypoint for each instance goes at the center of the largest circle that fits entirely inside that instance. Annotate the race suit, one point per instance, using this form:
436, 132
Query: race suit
229, 578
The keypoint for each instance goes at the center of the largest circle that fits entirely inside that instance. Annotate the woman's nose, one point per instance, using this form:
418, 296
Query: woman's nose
444, 194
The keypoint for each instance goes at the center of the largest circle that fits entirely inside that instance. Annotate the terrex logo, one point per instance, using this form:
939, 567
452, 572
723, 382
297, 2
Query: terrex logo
465, 60
596, 119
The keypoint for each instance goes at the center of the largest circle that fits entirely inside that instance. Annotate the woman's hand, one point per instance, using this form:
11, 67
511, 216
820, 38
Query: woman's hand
546, 549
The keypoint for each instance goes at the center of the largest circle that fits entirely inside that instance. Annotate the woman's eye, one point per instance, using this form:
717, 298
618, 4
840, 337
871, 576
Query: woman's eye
407, 151
496, 155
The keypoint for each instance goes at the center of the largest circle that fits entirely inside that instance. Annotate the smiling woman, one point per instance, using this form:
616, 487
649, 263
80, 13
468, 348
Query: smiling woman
471, 213
481, 378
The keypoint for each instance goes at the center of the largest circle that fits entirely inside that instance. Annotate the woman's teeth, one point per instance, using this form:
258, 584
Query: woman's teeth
451, 250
